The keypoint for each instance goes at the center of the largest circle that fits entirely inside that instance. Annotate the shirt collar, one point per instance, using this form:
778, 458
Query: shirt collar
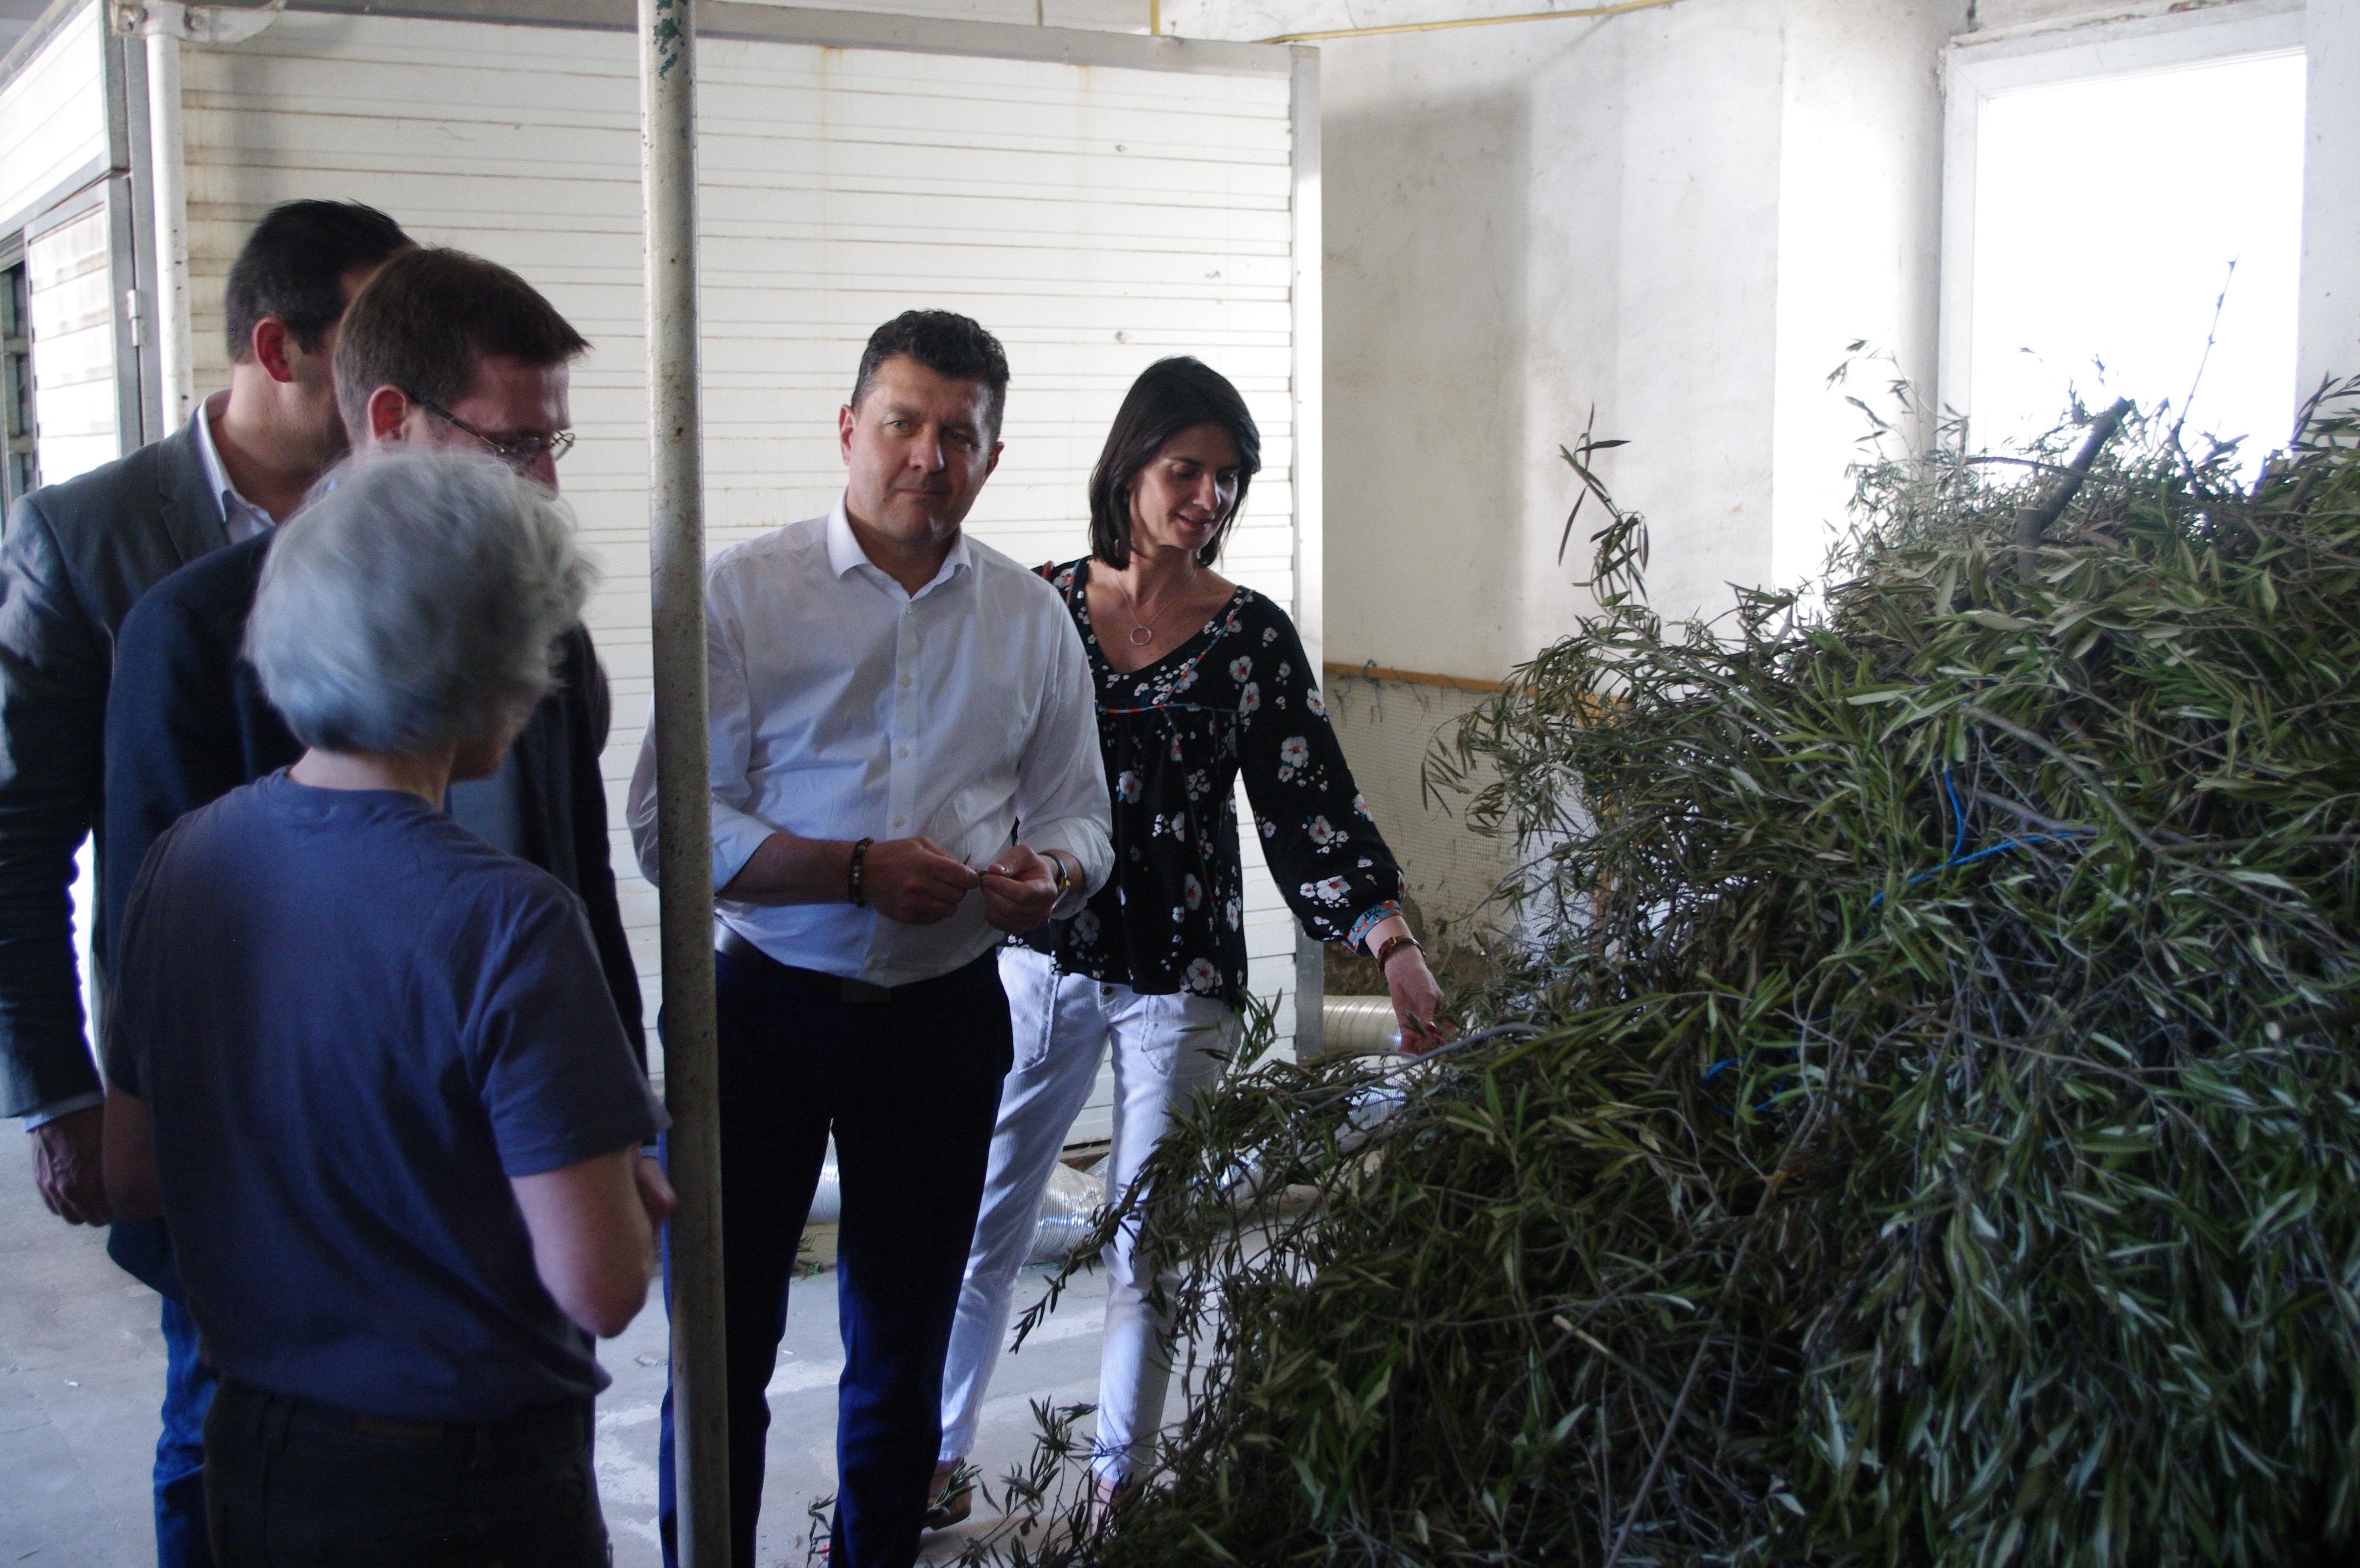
844, 553
224, 494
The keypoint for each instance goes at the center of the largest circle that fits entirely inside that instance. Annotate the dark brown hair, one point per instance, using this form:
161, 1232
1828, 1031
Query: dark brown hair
1170, 396
425, 320
293, 264
947, 343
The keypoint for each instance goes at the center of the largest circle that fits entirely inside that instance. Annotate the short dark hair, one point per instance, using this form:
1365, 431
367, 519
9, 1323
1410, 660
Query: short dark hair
947, 343
1170, 396
294, 268
425, 320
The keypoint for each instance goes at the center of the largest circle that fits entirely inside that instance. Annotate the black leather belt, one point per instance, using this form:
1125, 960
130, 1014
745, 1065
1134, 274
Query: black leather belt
835, 987
277, 1412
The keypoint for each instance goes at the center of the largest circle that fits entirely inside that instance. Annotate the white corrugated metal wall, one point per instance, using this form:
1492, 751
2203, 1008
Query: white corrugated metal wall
70, 270
1095, 218
52, 117
53, 141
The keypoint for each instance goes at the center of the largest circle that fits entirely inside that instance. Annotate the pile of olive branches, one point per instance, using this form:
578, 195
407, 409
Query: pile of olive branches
1936, 1138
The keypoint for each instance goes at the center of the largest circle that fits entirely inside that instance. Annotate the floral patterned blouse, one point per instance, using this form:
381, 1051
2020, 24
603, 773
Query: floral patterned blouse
1239, 696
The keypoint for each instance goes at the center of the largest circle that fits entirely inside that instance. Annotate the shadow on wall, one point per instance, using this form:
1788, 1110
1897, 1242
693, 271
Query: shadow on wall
1386, 728
1426, 366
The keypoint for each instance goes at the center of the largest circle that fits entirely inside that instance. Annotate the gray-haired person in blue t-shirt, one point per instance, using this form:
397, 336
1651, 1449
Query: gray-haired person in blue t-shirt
368, 1065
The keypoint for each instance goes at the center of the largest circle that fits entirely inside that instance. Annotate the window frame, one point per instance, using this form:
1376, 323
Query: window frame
20, 433
1975, 71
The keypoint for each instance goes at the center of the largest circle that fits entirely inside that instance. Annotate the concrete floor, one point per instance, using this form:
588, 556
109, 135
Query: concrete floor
82, 1369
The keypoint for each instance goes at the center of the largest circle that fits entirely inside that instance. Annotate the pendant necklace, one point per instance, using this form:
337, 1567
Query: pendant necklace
1142, 634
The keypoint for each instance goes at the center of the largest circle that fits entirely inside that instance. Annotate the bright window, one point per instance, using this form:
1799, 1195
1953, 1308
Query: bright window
2108, 214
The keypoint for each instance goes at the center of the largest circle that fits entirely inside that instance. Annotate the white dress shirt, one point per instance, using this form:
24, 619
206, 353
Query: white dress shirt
241, 516
843, 707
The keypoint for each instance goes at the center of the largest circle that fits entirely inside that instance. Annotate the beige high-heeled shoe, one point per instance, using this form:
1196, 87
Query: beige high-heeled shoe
953, 1498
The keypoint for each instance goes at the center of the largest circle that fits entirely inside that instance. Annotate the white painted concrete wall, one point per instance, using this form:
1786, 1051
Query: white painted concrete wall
2002, 15
1523, 223
2328, 330
1859, 245
1680, 217
1677, 218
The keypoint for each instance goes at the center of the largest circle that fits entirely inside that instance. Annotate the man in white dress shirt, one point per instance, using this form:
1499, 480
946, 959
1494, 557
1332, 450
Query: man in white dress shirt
905, 768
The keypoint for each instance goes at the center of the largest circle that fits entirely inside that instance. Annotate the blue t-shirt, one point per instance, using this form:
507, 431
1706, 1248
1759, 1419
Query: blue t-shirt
353, 1022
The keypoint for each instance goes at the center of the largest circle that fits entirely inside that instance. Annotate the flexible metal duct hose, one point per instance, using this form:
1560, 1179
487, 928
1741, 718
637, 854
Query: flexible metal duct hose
1359, 1025
1068, 1209
1355, 1025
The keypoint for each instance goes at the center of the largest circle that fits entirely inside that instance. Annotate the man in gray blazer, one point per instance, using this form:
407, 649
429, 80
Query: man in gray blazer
74, 559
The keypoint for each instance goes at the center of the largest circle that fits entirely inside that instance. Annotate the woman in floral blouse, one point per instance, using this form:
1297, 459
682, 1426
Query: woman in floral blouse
1199, 682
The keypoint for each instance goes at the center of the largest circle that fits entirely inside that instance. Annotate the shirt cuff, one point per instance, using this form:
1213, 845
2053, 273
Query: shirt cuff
735, 837
43, 1115
1087, 843
1077, 889
1369, 921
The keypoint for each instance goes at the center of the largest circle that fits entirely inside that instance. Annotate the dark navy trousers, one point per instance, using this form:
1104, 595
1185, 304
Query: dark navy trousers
909, 1087
143, 1249
180, 1540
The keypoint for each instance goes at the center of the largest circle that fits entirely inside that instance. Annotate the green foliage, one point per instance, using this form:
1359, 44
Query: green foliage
1936, 1139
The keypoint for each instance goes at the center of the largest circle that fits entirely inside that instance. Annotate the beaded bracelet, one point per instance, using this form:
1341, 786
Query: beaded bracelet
853, 873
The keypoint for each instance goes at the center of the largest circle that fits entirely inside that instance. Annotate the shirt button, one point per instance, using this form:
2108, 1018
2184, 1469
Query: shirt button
899, 820
905, 680
901, 751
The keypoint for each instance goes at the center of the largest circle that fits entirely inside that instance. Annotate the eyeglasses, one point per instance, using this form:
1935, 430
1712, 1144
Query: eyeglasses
519, 453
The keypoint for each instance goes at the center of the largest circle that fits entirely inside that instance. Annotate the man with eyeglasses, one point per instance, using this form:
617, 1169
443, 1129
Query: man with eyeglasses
441, 350
446, 351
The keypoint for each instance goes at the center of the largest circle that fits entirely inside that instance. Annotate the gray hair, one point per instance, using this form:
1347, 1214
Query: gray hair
415, 603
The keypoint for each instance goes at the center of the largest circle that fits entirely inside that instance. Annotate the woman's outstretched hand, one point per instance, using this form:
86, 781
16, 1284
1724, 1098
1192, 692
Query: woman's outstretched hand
1416, 999
1416, 996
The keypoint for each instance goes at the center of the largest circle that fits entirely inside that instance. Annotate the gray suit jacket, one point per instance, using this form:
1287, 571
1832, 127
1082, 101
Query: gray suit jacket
75, 558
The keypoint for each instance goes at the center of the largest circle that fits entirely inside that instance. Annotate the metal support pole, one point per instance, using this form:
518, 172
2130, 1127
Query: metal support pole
167, 163
166, 25
684, 812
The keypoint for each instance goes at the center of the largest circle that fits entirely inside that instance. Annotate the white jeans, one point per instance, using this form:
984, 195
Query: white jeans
1166, 1048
